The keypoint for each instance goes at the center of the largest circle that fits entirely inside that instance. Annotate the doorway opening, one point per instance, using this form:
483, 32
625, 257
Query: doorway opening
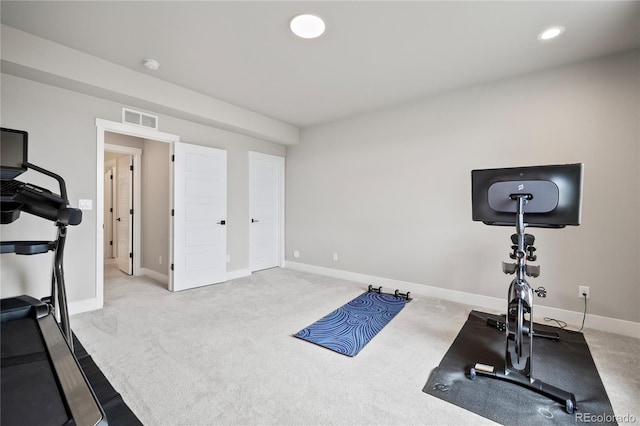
102, 128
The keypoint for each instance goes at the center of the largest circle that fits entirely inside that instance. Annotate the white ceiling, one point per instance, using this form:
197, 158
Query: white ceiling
372, 55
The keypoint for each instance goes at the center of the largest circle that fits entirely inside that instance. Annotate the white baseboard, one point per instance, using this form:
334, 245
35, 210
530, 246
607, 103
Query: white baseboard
574, 319
155, 275
81, 306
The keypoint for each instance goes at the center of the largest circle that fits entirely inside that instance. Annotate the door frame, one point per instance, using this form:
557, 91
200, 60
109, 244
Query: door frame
103, 126
111, 166
280, 161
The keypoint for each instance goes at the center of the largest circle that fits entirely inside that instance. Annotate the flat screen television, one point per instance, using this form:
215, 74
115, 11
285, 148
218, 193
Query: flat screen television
554, 195
13, 153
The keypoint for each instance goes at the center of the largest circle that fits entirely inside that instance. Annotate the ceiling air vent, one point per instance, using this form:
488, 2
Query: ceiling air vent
138, 118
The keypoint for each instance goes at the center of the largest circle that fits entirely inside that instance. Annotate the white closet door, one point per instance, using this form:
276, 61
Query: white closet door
266, 199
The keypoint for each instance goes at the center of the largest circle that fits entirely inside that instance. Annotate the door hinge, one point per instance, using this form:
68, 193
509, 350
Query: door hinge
172, 266
130, 211
173, 157
110, 243
173, 212
131, 167
130, 255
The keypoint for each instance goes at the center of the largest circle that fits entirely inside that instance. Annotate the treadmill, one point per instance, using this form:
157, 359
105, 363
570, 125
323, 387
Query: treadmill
42, 381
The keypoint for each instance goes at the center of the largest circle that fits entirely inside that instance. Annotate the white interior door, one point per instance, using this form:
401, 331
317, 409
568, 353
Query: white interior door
266, 205
124, 222
199, 216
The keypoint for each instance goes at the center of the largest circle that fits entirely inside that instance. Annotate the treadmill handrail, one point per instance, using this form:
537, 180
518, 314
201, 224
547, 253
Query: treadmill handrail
63, 186
83, 404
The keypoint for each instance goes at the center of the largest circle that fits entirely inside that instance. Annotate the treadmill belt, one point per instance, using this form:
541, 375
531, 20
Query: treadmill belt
30, 394
566, 364
26, 371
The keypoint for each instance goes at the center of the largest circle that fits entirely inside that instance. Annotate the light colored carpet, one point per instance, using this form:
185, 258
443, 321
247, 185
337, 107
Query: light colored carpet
224, 354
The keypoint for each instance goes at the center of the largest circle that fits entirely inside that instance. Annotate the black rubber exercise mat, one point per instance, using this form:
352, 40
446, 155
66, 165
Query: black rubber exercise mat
117, 411
566, 364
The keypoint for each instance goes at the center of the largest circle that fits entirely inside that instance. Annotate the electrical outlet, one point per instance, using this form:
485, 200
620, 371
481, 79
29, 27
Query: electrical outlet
583, 291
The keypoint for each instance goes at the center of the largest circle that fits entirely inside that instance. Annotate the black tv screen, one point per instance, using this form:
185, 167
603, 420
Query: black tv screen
555, 193
13, 153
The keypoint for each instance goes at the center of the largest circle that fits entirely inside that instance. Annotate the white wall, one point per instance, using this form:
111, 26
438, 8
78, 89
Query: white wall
62, 138
390, 191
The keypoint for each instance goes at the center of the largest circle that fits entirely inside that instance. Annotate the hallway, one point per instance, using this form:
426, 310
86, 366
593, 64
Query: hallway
117, 284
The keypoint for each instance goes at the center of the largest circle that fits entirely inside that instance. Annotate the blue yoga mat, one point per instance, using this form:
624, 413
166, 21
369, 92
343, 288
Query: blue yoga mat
349, 328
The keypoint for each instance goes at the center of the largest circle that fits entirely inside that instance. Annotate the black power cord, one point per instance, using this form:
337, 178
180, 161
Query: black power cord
563, 324
584, 315
560, 323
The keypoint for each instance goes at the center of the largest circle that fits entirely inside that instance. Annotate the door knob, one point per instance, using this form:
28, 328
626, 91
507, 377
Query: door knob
222, 222
118, 219
254, 220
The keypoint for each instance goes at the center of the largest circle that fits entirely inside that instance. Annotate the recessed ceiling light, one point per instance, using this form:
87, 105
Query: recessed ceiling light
550, 33
151, 64
307, 26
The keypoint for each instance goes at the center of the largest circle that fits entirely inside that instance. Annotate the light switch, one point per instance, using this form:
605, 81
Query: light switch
85, 204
